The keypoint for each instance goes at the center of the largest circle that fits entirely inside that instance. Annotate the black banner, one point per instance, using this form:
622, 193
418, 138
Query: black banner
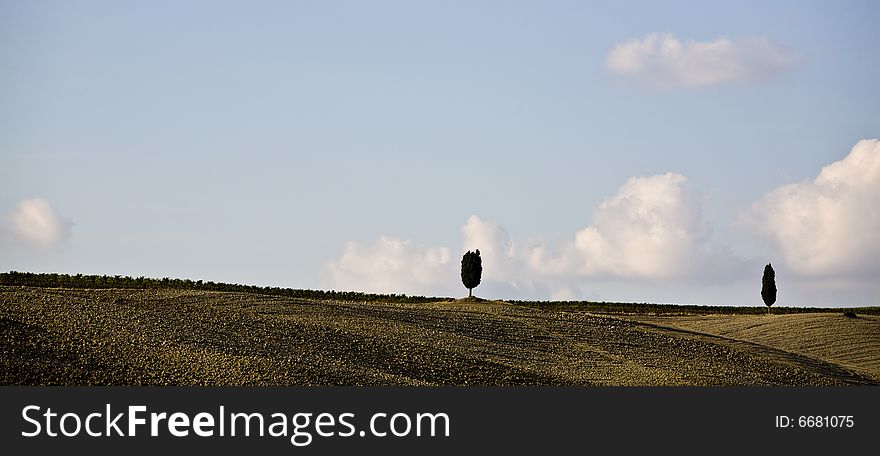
401, 420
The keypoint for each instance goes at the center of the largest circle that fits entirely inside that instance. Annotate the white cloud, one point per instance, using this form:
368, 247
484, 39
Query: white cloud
395, 266
496, 249
652, 228
504, 271
650, 231
35, 222
829, 226
390, 266
663, 60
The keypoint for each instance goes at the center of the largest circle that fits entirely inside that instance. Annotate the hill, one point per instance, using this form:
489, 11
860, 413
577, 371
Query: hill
851, 342
199, 337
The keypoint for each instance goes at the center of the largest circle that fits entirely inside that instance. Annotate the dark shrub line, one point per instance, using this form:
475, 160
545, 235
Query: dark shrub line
101, 281
48, 280
672, 309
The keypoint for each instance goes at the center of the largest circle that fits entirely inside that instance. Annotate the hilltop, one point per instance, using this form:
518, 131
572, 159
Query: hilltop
172, 336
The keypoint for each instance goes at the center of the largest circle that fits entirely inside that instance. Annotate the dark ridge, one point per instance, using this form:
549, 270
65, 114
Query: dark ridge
51, 280
672, 309
46, 280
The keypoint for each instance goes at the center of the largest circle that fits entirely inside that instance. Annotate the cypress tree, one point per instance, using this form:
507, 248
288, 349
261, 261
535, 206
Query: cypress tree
768, 286
471, 270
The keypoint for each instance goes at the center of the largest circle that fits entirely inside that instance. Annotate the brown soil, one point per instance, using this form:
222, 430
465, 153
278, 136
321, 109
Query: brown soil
853, 343
179, 337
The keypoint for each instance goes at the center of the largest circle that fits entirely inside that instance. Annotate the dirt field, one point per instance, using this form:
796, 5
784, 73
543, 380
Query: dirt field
853, 343
178, 337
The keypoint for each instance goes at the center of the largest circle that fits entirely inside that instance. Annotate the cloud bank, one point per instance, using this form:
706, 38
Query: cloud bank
829, 226
35, 222
496, 249
389, 266
662, 60
652, 228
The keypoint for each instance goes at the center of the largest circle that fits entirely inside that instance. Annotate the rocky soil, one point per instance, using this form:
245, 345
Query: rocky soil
179, 337
850, 342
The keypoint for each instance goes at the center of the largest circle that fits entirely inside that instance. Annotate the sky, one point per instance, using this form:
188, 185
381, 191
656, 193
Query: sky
620, 151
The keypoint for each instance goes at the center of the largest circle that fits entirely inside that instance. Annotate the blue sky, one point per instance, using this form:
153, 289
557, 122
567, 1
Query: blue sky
601, 150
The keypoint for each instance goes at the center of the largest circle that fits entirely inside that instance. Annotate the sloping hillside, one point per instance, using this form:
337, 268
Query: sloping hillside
853, 343
187, 337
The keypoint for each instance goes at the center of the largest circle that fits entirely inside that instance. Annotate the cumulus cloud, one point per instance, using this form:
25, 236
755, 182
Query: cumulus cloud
504, 271
395, 266
651, 228
390, 266
663, 60
829, 226
35, 222
496, 250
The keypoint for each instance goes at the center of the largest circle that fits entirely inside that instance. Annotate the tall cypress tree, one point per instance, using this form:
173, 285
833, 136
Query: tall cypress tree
768, 286
471, 270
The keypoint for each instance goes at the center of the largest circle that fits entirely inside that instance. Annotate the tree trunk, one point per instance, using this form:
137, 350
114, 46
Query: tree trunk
768, 310
469, 292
